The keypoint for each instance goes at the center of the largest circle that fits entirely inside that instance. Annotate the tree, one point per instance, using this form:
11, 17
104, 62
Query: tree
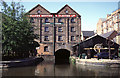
17, 32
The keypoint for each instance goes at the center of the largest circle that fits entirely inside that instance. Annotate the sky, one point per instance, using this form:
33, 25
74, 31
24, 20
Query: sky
90, 11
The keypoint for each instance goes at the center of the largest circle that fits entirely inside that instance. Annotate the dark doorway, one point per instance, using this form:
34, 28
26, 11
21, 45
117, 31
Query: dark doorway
62, 56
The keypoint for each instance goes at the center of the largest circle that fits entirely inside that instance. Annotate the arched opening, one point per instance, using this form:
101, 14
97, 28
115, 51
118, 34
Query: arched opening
62, 56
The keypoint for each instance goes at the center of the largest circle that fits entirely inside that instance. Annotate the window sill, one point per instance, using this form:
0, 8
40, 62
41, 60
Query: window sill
73, 31
60, 31
46, 51
72, 22
46, 40
60, 40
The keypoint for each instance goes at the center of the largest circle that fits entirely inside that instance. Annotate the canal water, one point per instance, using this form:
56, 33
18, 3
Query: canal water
51, 69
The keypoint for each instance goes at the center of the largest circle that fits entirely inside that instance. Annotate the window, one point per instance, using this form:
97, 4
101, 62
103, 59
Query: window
72, 38
38, 11
59, 29
60, 20
46, 49
110, 22
66, 11
46, 38
110, 29
116, 26
105, 31
72, 20
31, 20
46, 20
72, 29
60, 38
119, 16
116, 17
104, 25
46, 29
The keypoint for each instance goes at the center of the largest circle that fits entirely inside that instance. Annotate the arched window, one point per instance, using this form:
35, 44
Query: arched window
66, 11
38, 11
46, 49
46, 20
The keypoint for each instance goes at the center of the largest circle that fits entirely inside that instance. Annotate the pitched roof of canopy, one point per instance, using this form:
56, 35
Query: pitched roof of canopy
70, 8
110, 34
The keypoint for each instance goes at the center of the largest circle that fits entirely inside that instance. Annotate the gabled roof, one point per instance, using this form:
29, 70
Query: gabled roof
88, 33
95, 39
110, 34
36, 7
70, 8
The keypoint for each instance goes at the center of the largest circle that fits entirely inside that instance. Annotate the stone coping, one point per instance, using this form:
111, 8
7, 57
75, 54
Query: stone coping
100, 60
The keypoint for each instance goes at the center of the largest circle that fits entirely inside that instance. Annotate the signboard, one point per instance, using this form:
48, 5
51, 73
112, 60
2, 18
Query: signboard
41, 15
52, 15
65, 15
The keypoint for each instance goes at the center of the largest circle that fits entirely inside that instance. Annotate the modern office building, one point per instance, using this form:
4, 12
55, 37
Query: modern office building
62, 28
111, 23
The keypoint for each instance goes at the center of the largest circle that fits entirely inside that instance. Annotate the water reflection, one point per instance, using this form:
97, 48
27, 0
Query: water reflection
51, 69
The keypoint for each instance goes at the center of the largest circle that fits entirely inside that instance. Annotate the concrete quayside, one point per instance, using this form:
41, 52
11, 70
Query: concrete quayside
96, 62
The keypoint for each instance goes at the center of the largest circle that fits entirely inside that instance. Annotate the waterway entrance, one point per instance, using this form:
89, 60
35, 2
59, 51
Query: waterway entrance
62, 56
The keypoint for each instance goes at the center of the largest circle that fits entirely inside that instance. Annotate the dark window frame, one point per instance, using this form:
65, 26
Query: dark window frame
72, 20
46, 49
60, 20
60, 38
46, 38
72, 29
60, 29
46, 29
46, 20
72, 38
38, 11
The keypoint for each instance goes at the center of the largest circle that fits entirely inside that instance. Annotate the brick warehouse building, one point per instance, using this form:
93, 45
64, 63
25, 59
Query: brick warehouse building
111, 23
67, 28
